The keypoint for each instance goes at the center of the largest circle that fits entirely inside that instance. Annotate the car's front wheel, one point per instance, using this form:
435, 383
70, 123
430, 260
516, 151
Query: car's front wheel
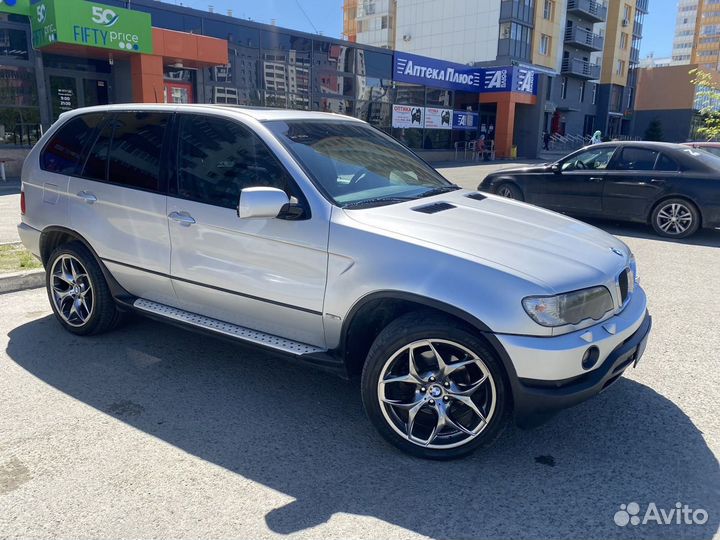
675, 218
509, 191
432, 389
78, 292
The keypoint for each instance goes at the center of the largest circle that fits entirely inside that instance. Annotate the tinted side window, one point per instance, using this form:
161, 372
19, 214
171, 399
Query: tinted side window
136, 149
62, 153
96, 163
217, 158
664, 163
637, 159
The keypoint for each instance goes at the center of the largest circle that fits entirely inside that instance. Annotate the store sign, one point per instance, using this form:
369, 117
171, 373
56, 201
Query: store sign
465, 120
435, 73
438, 118
407, 116
91, 25
18, 7
510, 79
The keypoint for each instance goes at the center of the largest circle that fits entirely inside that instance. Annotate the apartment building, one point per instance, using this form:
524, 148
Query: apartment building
684, 39
706, 44
586, 50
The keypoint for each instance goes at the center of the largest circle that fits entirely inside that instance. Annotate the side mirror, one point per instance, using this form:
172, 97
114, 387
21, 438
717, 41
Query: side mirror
556, 168
261, 202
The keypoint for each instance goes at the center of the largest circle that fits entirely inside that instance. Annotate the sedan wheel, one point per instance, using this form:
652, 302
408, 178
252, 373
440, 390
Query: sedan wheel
509, 191
675, 218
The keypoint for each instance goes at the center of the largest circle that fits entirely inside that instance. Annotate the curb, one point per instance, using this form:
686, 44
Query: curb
20, 281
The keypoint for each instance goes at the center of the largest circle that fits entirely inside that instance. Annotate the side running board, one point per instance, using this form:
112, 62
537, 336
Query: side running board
225, 328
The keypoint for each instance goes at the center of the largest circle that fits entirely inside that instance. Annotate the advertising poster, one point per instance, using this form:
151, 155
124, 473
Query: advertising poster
438, 118
408, 116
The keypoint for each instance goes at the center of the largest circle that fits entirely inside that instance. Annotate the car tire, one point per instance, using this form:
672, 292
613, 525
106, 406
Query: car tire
78, 293
444, 424
509, 191
686, 218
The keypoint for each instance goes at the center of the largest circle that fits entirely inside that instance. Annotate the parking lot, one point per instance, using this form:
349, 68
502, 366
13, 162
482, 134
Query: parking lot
152, 431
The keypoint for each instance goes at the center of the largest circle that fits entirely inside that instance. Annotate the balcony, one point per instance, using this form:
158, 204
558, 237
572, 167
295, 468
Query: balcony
642, 5
576, 67
583, 39
637, 29
634, 56
588, 9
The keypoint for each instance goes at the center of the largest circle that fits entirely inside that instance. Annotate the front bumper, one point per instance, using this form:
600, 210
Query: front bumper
548, 371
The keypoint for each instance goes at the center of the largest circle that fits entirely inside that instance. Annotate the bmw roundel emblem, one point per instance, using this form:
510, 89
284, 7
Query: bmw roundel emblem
616, 251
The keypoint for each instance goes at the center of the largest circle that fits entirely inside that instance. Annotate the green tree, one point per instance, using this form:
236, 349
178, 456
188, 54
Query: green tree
707, 103
654, 131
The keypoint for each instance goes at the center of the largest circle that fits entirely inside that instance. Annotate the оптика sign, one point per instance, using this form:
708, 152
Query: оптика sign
91, 25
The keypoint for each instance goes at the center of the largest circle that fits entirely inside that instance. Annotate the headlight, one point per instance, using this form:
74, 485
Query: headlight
569, 308
633, 267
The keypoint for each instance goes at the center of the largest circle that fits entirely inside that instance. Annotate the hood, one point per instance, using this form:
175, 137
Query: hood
554, 251
539, 168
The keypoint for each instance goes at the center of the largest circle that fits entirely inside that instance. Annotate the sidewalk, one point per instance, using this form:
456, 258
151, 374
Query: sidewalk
9, 210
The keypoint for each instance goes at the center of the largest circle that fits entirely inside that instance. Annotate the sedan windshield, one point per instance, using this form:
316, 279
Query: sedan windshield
356, 165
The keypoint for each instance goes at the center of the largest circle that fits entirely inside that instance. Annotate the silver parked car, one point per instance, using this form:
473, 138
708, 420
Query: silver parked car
320, 237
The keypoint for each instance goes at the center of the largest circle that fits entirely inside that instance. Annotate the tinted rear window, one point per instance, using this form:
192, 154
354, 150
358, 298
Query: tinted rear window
136, 149
62, 154
665, 163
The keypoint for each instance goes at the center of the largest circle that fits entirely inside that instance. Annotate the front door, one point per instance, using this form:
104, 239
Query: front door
263, 274
72, 89
577, 188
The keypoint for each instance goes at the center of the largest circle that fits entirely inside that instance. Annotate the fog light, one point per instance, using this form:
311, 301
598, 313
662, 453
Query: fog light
590, 357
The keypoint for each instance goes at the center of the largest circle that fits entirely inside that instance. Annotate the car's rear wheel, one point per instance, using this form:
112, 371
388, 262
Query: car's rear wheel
78, 293
509, 191
675, 218
432, 389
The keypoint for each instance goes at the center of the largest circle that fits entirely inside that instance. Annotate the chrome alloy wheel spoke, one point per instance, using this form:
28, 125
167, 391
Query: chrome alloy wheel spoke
439, 412
72, 291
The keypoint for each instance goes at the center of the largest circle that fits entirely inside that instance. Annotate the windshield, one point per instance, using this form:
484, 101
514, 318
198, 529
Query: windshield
357, 165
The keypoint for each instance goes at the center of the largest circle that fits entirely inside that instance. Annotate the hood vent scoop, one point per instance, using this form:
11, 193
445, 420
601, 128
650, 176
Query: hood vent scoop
434, 208
476, 196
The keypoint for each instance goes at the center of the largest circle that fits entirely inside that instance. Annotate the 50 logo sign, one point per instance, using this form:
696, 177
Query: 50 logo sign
104, 16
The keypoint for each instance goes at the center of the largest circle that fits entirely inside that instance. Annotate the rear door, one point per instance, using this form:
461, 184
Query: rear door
265, 274
578, 187
635, 180
118, 202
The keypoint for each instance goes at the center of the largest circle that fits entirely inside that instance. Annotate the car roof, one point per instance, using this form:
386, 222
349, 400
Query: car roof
651, 145
701, 144
258, 113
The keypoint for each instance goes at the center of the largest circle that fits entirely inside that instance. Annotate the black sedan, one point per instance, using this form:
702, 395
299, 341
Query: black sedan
674, 188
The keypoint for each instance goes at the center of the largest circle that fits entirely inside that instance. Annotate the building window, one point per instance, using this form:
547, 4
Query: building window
626, 15
549, 10
620, 67
544, 44
623, 40
630, 98
594, 93
563, 88
384, 22
582, 91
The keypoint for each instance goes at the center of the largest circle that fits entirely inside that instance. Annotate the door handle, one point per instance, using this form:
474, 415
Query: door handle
657, 182
596, 179
183, 218
87, 197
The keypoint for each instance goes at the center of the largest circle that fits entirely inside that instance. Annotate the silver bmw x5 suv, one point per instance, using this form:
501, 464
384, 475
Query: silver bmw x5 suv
320, 237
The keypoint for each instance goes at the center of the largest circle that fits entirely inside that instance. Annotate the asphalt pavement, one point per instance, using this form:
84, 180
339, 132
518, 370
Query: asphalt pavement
155, 432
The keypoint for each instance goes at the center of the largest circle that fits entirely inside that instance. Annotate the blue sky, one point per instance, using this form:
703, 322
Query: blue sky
326, 16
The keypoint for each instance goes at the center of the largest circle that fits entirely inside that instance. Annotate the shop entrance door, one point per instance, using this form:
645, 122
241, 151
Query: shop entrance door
179, 92
69, 90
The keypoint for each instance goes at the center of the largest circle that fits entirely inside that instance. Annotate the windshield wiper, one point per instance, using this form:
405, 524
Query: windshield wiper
439, 190
377, 201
